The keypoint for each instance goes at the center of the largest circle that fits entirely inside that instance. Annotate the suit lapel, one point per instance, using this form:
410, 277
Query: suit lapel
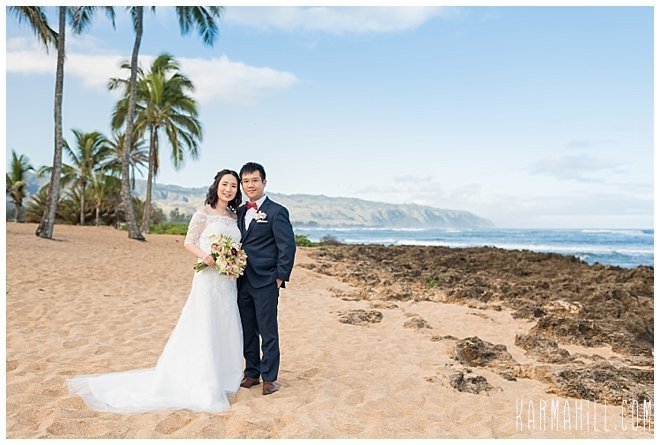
247, 232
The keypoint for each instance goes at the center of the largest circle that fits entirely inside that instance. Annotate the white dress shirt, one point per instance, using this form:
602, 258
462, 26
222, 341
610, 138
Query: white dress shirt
251, 212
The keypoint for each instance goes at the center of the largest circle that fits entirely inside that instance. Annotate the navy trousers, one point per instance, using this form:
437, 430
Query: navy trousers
258, 309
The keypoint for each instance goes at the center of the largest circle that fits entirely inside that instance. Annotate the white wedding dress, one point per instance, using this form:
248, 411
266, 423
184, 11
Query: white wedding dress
202, 362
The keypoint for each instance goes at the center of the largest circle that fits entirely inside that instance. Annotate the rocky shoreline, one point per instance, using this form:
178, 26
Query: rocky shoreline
571, 303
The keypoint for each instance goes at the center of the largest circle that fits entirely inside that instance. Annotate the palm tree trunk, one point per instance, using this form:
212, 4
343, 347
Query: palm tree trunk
127, 199
150, 179
98, 211
82, 204
18, 211
45, 228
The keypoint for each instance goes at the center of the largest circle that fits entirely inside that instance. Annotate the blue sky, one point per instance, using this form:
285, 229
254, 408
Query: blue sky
529, 116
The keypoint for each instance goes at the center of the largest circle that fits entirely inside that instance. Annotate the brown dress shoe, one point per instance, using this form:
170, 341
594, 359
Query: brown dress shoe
270, 387
249, 382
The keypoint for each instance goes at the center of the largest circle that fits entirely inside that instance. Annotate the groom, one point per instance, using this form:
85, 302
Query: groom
268, 240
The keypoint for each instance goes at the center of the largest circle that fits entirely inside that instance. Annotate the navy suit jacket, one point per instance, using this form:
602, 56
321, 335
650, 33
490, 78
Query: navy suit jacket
270, 245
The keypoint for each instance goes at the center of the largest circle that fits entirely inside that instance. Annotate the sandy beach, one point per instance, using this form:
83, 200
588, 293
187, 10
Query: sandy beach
362, 356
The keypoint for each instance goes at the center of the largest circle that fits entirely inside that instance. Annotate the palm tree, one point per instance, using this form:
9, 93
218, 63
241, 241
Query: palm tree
36, 17
137, 157
45, 228
36, 205
80, 17
162, 105
91, 151
137, 13
200, 17
16, 181
67, 177
69, 208
104, 186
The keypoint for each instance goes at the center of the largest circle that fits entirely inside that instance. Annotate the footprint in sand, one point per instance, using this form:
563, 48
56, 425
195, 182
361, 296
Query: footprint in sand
213, 431
77, 414
354, 397
309, 373
70, 344
71, 403
29, 417
73, 428
11, 365
64, 427
55, 382
172, 423
53, 392
102, 350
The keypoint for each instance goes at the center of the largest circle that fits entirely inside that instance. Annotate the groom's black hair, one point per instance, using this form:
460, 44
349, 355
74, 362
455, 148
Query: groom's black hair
252, 167
212, 194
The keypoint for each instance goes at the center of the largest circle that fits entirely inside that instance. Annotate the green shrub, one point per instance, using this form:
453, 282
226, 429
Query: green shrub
304, 241
169, 228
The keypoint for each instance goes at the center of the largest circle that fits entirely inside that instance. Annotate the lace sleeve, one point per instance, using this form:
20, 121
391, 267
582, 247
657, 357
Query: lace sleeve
195, 228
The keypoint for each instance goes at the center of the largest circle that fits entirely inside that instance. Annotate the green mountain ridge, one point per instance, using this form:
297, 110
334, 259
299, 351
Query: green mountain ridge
324, 211
313, 210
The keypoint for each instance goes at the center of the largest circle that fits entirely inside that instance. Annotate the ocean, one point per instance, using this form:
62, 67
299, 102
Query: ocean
623, 248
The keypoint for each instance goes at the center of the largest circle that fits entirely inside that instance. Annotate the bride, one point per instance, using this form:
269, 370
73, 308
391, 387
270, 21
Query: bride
202, 361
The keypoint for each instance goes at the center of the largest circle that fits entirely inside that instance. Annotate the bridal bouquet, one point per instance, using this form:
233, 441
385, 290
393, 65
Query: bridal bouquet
229, 258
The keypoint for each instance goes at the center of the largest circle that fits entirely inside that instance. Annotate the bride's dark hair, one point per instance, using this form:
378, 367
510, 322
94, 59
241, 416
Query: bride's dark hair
212, 195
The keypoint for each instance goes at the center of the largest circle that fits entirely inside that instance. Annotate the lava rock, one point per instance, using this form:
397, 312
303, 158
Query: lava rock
543, 349
360, 316
473, 351
417, 323
474, 384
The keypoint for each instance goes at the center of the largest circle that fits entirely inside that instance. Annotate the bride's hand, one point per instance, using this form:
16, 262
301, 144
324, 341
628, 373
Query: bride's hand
208, 260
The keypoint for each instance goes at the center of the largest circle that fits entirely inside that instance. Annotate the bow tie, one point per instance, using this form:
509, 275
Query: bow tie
251, 205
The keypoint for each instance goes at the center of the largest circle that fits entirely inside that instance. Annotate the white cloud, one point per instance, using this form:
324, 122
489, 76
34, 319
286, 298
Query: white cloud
571, 209
235, 82
580, 168
24, 57
337, 20
562, 208
217, 79
425, 190
93, 70
404, 188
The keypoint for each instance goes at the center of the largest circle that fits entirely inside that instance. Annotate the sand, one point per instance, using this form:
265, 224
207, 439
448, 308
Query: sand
93, 301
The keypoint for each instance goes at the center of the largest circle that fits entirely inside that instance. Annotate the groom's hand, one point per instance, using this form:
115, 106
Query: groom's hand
279, 282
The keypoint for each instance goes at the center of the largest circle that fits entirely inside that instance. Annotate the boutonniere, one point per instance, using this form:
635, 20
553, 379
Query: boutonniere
260, 217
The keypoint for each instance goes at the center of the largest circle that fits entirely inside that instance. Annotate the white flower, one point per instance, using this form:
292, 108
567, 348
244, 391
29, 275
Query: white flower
259, 216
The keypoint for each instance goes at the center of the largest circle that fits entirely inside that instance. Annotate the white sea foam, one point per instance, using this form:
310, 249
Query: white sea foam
625, 232
373, 229
535, 247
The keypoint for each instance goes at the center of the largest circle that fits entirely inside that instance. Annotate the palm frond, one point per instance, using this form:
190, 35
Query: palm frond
81, 17
35, 16
201, 18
